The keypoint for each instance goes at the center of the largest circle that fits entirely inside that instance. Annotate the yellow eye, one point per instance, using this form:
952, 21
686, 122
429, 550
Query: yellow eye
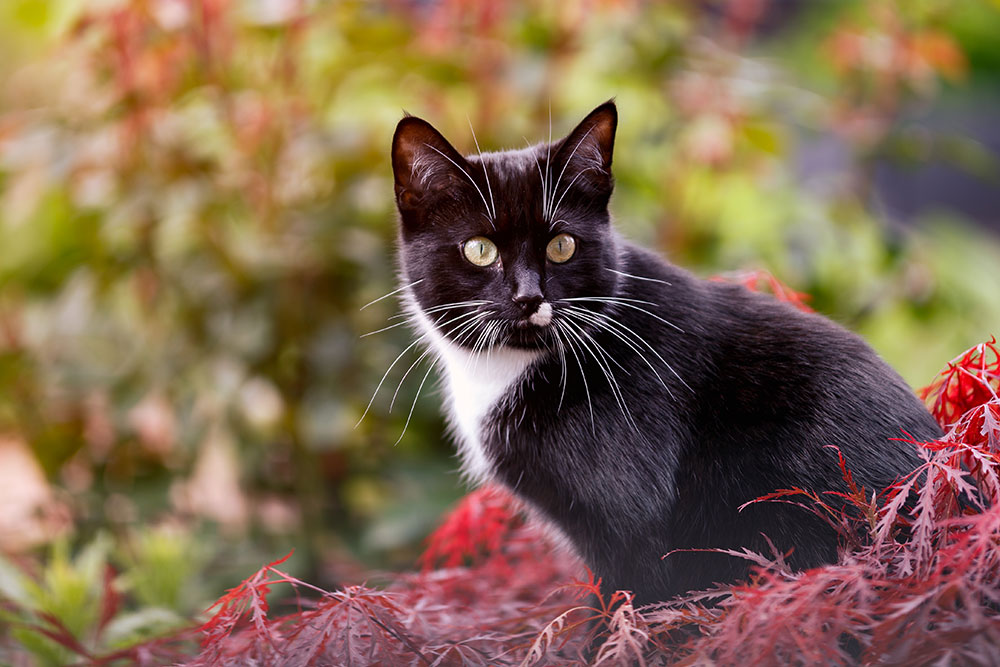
561, 248
480, 251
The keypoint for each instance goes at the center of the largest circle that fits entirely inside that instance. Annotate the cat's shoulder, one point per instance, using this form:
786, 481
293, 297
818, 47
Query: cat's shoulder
712, 307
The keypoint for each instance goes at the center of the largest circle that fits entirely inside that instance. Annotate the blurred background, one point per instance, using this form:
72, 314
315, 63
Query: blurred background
196, 201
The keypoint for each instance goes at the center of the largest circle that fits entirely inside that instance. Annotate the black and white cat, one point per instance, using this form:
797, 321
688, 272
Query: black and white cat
632, 404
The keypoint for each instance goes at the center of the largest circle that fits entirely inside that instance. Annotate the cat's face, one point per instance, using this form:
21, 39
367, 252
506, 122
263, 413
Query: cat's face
495, 244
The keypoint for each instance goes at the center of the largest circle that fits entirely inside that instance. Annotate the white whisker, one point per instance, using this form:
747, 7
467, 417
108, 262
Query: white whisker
395, 291
391, 326
467, 175
568, 188
583, 337
403, 379
413, 405
485, 172
583, 375
621, 301
547, 198
442, 307
541, 178
603, 322
636, 337
561, 348
393, 364
566, 164
629, 275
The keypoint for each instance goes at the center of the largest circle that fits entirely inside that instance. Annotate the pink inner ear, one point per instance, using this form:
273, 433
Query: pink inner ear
589, 147
423, 161
604, 121
604, 136
408, 199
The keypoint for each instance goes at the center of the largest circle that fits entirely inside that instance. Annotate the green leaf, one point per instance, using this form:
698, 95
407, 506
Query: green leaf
12, 583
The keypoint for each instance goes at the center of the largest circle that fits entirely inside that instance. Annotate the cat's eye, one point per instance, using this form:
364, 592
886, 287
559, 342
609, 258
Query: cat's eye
561, 248
480, 251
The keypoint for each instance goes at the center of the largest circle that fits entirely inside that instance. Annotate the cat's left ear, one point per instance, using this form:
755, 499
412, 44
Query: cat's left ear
423, 162
586, 152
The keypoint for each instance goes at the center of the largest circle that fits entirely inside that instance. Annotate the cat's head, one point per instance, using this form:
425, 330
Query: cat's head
495, 243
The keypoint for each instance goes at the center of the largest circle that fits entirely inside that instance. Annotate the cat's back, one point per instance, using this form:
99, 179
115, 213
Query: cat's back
763, 373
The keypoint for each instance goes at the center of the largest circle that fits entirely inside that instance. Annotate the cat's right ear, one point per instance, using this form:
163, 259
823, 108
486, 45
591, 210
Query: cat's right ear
423, 162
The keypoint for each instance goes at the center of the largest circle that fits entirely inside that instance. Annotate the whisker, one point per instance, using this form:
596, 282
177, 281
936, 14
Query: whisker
485, 173
566, 164
568, 189
602, 321
468, 330
560, 347
625, 303
605, 370
391, 326
541, 178
403, 379
583, 375
490, 335
548, 166
467, 175
393, 364
435, 309
395, 291
455, 304
615, 323
624, 299
629, 275
413, 405
583, 337
480, 339
492, 340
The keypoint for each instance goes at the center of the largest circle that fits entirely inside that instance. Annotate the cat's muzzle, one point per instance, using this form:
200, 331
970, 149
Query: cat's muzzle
543, 316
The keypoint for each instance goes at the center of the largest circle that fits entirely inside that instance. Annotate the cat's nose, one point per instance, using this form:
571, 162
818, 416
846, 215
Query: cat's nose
527, 288
528, 299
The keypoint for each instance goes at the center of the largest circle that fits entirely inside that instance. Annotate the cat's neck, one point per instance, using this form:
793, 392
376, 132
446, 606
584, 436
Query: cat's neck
474, 383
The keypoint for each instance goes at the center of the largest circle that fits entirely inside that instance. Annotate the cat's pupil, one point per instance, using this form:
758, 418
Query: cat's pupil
480, 251
561, 248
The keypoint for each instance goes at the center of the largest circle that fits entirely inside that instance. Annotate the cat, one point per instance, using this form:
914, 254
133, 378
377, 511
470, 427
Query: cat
634, 406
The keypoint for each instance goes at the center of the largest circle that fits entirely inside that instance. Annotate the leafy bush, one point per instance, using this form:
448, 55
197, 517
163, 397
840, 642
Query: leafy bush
914, 585
195, 201
917, 581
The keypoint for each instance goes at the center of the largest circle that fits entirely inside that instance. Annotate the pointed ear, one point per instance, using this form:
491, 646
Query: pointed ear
423, 162
586, 152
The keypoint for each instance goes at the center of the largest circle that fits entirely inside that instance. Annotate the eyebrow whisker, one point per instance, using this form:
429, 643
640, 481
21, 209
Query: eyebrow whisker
468, 176
483, 164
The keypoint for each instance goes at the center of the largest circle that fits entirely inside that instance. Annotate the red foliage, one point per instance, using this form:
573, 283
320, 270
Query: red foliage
250, 596
477, 529
918, 581
763, 281
964, 396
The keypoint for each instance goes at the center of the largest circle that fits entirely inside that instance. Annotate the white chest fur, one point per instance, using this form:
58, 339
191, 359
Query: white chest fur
474, 383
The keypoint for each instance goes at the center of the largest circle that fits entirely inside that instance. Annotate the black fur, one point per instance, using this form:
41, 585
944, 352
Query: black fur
755, 391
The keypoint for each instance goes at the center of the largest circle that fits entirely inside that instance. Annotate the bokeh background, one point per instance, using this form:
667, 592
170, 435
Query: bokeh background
196, 202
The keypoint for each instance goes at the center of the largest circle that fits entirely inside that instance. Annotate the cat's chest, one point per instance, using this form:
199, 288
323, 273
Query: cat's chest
474, 384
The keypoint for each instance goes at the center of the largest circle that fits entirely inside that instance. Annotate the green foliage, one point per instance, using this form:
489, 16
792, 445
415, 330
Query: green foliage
159, 564
76, 603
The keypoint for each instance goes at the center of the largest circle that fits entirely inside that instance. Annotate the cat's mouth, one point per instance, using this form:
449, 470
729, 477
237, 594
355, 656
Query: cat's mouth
532, 331
527, 335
